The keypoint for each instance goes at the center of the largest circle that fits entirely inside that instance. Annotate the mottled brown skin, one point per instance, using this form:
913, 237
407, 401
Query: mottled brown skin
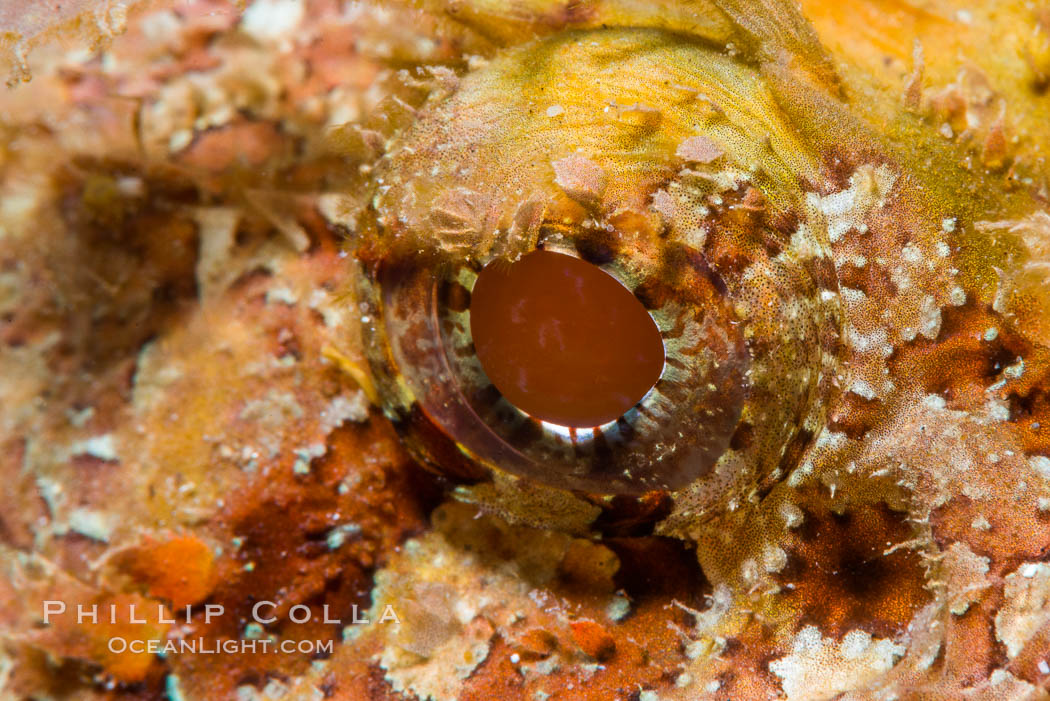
173, 219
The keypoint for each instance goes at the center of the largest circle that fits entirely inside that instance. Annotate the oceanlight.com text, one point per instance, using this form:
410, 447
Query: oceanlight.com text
203, 646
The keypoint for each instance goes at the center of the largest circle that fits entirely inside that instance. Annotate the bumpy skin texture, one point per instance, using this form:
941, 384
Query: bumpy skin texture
202, 349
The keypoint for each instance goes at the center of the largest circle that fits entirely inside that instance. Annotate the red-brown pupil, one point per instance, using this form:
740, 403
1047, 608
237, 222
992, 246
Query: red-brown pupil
563, 340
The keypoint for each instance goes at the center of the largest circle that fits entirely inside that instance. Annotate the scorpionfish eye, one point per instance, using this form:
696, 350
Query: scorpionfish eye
584, 279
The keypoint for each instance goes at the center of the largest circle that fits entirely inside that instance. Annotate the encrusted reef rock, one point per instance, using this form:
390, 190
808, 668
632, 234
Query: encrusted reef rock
249, 451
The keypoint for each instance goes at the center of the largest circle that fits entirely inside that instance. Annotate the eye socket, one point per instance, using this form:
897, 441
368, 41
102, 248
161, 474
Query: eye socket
697, 206
562, 340
664, 440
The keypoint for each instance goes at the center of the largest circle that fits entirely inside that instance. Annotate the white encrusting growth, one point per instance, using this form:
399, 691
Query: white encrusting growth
819, 667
